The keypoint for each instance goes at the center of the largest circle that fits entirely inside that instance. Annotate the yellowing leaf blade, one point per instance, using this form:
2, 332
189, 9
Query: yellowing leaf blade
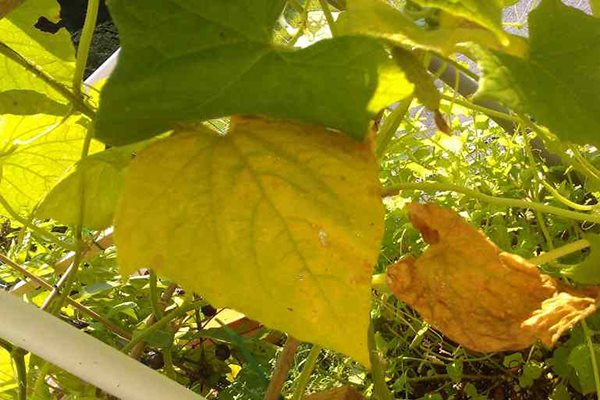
281, 221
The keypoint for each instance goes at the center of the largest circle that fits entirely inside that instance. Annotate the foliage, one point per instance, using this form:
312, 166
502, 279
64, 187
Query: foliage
260, 191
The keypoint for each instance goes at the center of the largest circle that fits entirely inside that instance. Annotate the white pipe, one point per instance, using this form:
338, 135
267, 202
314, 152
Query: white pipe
104, 70
82, 355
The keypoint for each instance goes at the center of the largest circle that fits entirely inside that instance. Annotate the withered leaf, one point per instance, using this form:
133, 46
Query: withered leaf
479, 296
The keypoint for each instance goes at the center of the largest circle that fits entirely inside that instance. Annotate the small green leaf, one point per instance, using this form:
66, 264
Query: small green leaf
94, 183
192, 60
455, 370
560, 392
558, 82
587, 272
532, 370
280, 221
513, 360
580, 360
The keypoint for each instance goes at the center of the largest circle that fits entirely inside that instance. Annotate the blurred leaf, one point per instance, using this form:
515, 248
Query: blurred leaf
201, 67
588, 272
532, 370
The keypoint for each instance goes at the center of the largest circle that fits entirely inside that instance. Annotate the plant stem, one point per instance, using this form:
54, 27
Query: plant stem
85, 40
282, 368
592, 349
18, 356
179, 312
78, 306
328, 17
560, 252
390, 126
73, 98
304, 378
158, 314
481, 109
380, 390
500, 201
37, 230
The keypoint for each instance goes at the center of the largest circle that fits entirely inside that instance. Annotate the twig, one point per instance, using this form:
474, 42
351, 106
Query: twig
309, 366
78, 306
282, 368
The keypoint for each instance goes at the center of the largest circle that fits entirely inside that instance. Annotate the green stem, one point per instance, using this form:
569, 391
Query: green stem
328, 17
304, 378
179, 312
590, 345
85, 40
560, 252
158, 314
481, 109
18, 356
500, 201
380, 390
73, 98
35, 229
390, 126
556, 194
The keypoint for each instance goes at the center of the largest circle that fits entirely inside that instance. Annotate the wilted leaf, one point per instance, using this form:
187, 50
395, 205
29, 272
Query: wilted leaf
479, 296
558, 83
587, 272
94, 183
281, 221
192, 60
379, 19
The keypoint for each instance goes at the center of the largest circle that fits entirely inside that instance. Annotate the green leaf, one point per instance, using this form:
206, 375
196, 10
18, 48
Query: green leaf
425, 89
532, 370
35, 151
587, 272
278, 220
455, 370
379, 19
558, 83
96, 183
560, 392
485, 13
187, 61
580, 360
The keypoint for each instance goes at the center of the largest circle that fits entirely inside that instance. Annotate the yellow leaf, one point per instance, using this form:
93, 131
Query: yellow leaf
479, 296
279, 220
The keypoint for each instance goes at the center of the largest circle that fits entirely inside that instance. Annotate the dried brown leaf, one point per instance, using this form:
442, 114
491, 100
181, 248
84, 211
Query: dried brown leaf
479, 296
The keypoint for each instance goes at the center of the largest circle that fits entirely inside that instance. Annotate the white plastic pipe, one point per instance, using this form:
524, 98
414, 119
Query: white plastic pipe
82, 355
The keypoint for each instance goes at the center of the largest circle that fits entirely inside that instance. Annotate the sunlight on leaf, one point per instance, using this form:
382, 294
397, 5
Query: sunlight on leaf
278, 220
181, 63
99, 178
479, 296
379, 19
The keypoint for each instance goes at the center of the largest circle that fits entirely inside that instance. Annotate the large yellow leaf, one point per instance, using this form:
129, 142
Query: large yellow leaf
279, 220
479, 296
